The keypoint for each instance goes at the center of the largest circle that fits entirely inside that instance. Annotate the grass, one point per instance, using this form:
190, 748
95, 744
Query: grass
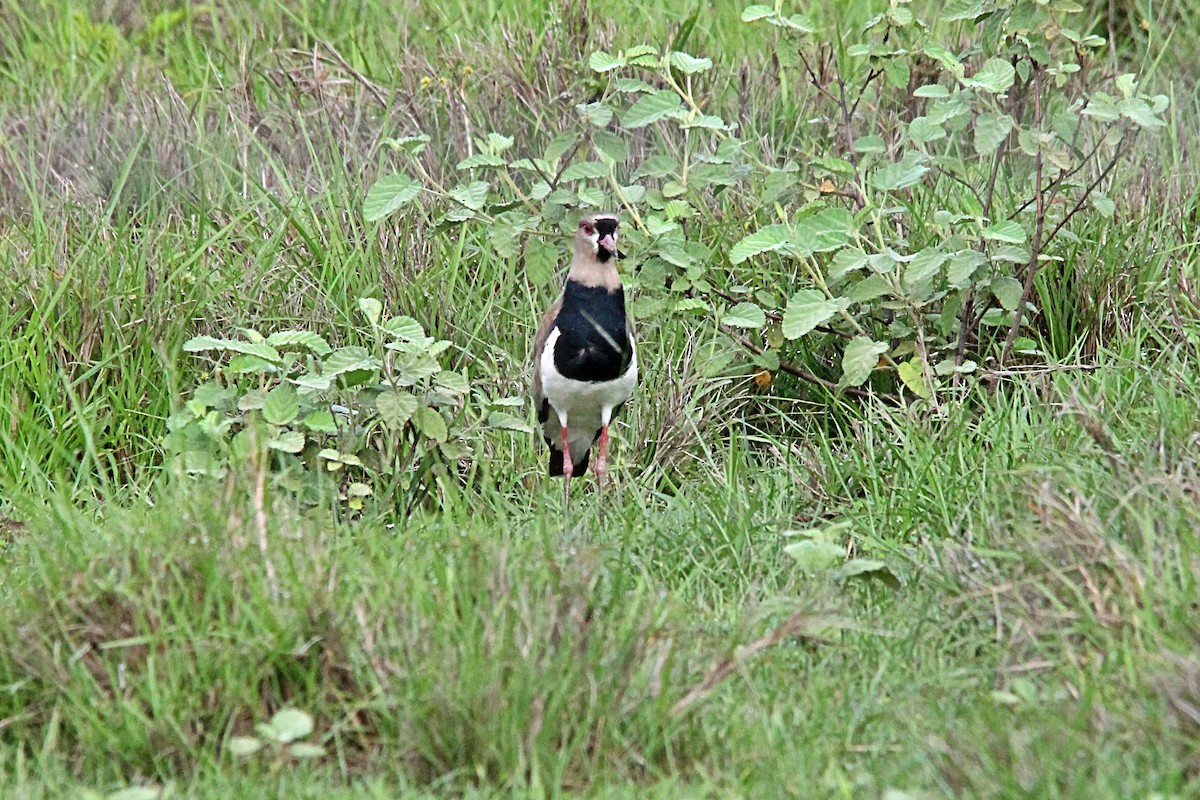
1034, 630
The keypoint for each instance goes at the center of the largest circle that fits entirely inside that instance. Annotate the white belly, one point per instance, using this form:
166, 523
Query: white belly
582, 406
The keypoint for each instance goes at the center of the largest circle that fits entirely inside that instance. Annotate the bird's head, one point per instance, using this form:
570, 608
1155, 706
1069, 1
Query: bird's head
597, 236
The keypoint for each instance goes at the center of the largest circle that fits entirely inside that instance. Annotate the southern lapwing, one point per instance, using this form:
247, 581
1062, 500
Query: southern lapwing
584, 357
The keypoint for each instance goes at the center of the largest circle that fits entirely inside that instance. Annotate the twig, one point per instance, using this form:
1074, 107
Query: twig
260, 520
803, 374
729, 664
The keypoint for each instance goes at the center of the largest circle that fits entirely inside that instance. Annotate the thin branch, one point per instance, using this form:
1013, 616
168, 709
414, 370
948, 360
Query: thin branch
803, 374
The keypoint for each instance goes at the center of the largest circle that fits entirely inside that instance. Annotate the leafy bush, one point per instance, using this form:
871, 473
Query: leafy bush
906, 248
379, 414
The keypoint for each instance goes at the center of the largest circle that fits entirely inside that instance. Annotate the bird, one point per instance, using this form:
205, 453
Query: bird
584, 356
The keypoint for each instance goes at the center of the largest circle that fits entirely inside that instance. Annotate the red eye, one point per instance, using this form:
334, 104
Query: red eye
587, 229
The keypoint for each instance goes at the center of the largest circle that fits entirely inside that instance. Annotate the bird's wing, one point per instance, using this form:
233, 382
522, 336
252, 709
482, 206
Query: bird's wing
539, 344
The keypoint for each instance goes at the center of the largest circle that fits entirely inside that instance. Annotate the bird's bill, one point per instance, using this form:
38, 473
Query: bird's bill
609, 242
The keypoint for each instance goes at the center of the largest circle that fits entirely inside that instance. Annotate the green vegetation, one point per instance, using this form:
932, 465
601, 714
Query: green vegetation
908, 504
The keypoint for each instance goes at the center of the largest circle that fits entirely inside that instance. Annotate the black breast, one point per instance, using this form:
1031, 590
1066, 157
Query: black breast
593, 343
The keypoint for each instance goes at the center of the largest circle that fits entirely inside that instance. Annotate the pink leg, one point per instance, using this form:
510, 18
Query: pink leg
602, 466
568, 469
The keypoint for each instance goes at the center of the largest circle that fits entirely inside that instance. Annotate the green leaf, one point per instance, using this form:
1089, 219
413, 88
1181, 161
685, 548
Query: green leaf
807, 309
287, 442
596, 114
990, 131
305, 750
610, 146
601, 61
453, 382
764, 240
388, 194
243, 745
395, 408
870, 144
303, 338
473, 195
585, 169
320, 421
282, 405
1008, 292
559, 146
861, 357
923, 130
651, 108
690, 65
933, 90
371, 308
828, 229
868, 288
1102, 107
745, 315
868, 568
923, 267
347, 359
508, 422
431, 424
481, 160
906, 172
962, 266
913, 375
290, 724
757, 12
1007, 231
657, 167
260, 349
845, 261
405, 328
1104, 205
137, 793
995, 76
813, 555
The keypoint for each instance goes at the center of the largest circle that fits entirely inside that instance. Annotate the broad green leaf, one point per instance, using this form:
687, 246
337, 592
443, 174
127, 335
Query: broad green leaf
596, 114
745, 315
610, 146
838, 166
1139, 112
137, 793
473, 195
995, 76
923, 267
413, 145
1104, 205
757, 12
870, 144
282, 405
496, 143
651, 108
585, 169
481, 160
690, 65
371, 308
405, 328
395, 408
709, 122
933, 90
1103, 107
388, 194
764, 240
845, 261
508, 422
922, 130
288, 442
303, 338
990, 130
867, 568
559, 146
807, 309
828, 229
913, 376
601, 61
243, 745
861, 357
813, 555
320, 421
962, 266
430, 423
657, 167
347, 359
290, 724
252, 400
453, 382
1008, 292
306, 750
906, 172
1010, 253
260, 349
1007, 231
868, 288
